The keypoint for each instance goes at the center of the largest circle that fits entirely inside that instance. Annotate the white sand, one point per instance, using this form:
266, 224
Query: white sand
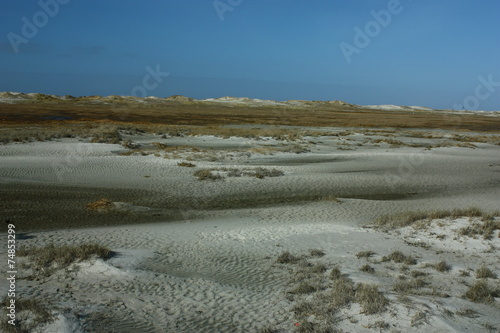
216, 270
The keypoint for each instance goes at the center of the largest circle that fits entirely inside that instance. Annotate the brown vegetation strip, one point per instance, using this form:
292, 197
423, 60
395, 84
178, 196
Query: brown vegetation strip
207, 115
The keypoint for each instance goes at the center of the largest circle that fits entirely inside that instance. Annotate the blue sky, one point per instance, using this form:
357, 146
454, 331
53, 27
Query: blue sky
436, 53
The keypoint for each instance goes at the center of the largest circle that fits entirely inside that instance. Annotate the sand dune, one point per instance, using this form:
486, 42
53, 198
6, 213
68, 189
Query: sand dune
201, 255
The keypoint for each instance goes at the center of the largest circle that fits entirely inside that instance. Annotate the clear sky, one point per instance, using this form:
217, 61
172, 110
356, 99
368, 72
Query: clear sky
436, 53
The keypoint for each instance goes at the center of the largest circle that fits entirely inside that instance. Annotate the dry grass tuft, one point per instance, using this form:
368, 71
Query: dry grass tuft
485, 273
481, 292
410, 286
303, 308
64, 255
30, 314
442, 266
287, 258
416, 274
370, 299
335, 273
101, 205
316, 253
206, 174
186, 164
305, 288
399, 257
343, 292
365, 254
400, 220
318, 268
367, 269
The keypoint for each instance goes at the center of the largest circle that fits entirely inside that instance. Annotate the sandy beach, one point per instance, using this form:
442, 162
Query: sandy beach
199, 226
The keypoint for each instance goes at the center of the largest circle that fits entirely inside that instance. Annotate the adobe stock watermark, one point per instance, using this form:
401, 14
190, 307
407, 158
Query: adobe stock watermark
407, 166
150, 82
363, 37
483, 91
30, 28
223, 6
75, 154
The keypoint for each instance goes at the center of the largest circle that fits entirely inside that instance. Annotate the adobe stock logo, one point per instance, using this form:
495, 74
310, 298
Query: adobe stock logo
363, 38
150, 81
225, 6
30, 28
482, 92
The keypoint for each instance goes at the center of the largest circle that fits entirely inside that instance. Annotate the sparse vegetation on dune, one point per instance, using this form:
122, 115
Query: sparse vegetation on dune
408, 218
63, 255
30, 314
485, 228
481, 292
323, 292
220, 173
399, 257
370, 298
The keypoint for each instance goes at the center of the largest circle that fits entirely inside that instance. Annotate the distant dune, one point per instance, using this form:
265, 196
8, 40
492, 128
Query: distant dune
17, 97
